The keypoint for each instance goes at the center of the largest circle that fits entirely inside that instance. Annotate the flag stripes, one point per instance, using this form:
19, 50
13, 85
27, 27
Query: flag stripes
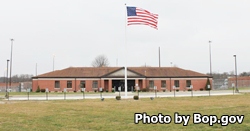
139, 16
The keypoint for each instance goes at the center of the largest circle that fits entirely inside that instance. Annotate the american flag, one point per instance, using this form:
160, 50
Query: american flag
139, 16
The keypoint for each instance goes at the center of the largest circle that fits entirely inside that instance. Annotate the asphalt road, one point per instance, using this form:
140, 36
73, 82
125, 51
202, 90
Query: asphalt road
129, 96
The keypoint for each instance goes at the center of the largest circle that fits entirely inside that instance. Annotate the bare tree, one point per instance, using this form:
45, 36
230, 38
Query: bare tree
100, 61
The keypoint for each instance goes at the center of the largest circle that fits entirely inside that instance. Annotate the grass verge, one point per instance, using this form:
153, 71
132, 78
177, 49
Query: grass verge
111, 114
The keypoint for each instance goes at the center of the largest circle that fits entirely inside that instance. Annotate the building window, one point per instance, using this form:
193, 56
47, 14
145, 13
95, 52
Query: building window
95, 84
82, 84
69, 84
163, 84
57, 84
188, 83
176, 83
151, 84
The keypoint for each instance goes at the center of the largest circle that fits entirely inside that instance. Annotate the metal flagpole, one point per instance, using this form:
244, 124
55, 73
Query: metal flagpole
125, 68
159, 57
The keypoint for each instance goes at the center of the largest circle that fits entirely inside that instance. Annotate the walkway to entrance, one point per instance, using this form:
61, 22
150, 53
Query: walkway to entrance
113, 95
120, 83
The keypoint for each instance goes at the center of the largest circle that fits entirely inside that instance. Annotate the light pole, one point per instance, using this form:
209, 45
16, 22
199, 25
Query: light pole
36, 69
11, 59
6, 95
4, 75
236, 85
53, 62
210, 57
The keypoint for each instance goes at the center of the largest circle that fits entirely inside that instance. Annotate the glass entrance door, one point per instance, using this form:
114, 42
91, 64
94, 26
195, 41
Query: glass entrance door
121, 83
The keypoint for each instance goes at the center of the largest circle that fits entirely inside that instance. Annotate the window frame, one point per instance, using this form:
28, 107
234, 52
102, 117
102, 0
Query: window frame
82, 84
69, 84
163, 85
177, 82
187, 82
94, 84
150, 83
57, 85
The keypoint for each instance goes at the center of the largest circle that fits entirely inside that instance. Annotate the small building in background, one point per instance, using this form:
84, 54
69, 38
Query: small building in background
242, 81
16, 87
13, 87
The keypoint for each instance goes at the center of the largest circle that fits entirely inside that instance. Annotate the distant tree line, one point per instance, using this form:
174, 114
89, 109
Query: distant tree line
245, 74
18, 78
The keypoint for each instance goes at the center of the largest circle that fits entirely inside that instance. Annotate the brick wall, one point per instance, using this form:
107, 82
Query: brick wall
197, 83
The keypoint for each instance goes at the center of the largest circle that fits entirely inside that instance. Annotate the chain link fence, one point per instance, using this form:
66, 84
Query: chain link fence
221, 84
19, 87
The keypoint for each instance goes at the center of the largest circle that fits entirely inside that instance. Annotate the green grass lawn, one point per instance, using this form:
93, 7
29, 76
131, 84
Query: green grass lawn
110, 114
240, 88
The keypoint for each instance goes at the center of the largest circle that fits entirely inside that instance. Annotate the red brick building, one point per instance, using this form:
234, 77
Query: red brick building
92, 78
242, 81
13, 87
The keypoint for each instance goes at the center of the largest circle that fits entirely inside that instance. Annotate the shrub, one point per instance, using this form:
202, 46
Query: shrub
136, 97
118, 97
144, 89
107, 90
189, 89
208, 83
164, 90
177, 90
43, 90
113, 90
38, 89
95, 90
201, 89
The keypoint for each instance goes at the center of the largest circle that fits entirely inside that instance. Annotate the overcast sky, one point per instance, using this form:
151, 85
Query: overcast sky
77, 31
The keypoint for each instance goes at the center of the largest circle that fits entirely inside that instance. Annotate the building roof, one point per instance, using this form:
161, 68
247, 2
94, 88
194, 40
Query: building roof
102, 72
166, 72
232, 78
3, 84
